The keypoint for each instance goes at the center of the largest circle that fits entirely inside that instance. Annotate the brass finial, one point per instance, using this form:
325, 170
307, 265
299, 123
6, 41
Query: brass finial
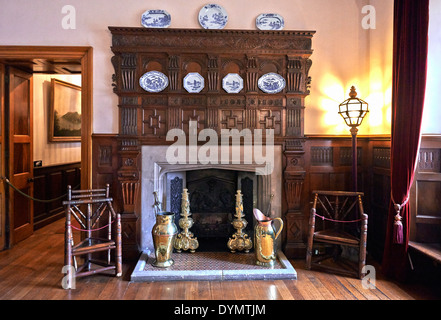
353, 93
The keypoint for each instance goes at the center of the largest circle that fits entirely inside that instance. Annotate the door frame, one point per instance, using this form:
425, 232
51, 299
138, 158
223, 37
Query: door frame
85, 55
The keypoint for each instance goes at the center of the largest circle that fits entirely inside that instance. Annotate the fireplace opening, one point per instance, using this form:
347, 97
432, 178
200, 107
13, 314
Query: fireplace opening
213, 204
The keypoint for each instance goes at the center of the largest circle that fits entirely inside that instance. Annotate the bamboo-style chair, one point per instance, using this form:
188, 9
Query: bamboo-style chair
94, 218
337, 222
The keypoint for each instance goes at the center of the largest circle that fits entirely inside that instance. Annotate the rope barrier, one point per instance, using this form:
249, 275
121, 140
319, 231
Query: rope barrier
32, 198
342, 221
91, 230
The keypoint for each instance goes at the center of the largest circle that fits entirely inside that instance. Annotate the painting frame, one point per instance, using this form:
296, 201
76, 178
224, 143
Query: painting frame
65, 101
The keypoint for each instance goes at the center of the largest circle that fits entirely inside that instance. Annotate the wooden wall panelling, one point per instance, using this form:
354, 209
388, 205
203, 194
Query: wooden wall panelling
106, 164
50, 182
328, 167
426, 190
378, 186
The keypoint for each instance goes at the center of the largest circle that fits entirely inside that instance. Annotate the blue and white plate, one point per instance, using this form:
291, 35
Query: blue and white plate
270, 21
271, 83
213, 16
232, 83
194, 82
153, 81
156, 19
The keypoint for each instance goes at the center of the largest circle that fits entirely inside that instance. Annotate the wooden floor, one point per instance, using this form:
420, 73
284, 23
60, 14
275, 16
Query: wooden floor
32, 270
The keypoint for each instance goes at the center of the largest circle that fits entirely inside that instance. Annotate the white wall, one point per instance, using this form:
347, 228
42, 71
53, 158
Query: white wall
345, 54
432, 109
50, 152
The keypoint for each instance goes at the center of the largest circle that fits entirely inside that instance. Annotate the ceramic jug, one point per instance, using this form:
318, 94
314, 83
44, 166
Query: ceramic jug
164, 234
265, 237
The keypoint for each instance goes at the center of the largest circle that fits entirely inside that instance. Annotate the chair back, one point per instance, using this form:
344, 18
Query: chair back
339, 210
90, 208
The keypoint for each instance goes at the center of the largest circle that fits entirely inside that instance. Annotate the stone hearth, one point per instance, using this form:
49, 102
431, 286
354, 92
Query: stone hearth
212, 266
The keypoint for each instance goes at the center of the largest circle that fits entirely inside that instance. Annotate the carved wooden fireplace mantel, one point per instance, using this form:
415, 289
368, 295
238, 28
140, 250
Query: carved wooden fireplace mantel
145, 118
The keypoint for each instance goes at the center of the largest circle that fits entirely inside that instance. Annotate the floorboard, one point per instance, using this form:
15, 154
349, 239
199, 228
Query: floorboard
31, 270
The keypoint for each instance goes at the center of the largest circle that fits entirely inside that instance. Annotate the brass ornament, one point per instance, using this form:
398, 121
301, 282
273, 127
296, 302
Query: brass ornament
265, 238
164, 233
240, 240
185, 240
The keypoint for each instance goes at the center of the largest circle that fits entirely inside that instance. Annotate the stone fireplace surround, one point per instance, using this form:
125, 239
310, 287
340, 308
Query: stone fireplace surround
155, 168
154, 173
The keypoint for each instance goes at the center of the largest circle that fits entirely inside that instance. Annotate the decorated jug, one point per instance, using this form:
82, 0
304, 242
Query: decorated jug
265, 237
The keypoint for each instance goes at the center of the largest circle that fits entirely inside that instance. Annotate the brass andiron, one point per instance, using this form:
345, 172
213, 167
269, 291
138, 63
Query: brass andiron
185, 239
240, 240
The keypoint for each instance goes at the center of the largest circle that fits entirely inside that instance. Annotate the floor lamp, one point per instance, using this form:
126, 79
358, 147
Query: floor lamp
353, 111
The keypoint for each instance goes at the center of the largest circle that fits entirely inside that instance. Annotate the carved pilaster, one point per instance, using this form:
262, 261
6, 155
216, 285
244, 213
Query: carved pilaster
128, 72
294, 177
129, 185
213, 74
130, 192
295, 75
129, 173
129, 121
297, 78
252, 74
173, 73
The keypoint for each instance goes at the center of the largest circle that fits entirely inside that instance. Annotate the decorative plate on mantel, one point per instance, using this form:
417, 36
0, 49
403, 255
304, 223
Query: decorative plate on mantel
153, 81
213, 16
271, 83
194, 82
270, 21
156, 19
232, 83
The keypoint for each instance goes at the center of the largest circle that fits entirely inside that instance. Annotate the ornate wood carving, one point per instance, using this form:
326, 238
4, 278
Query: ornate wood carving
145, 118
429, 160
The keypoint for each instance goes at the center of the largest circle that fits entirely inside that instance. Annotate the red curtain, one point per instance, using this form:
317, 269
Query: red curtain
411, 21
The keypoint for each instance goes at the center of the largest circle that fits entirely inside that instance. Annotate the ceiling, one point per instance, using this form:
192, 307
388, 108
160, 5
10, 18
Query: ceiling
46, 66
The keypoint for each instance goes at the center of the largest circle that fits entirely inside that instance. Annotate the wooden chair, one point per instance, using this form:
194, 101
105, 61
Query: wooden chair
343, 224
97, 219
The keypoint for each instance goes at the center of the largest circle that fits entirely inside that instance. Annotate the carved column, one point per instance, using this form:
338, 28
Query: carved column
213, 74
294, 74
128, 174
129, 180
252, 75
174, 74
294, 177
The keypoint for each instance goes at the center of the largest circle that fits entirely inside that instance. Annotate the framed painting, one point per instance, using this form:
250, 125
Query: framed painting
65, 112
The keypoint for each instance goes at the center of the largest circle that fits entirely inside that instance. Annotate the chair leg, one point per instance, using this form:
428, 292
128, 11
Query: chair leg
363, 244
118, 246
68, 265
310, 239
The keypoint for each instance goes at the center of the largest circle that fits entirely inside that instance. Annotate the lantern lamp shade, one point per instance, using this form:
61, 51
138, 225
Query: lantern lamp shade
353, 110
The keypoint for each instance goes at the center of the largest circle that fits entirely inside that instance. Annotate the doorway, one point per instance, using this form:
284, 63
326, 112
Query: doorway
37, 59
